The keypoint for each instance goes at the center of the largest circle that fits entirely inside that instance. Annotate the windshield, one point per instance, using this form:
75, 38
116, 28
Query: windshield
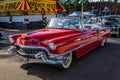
62, 23
92, 20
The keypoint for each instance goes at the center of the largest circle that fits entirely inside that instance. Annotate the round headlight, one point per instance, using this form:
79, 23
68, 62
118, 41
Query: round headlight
52, 46
11, 40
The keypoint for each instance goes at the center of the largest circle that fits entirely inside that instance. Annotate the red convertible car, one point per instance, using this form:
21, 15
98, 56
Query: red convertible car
62, 40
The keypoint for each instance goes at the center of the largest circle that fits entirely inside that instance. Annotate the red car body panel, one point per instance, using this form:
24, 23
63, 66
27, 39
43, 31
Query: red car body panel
65, 39
62, 40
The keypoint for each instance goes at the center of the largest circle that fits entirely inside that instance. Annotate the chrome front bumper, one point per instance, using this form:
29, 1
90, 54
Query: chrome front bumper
40, 57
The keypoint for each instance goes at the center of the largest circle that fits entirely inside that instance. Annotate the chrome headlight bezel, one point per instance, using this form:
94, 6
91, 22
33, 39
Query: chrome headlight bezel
11, 40
52, 45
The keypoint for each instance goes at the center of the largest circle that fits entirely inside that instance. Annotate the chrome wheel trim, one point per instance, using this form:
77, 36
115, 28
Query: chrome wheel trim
103, 42
67, 60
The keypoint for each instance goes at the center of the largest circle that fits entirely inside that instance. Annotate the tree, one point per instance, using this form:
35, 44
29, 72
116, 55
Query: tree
68, 4
72, 5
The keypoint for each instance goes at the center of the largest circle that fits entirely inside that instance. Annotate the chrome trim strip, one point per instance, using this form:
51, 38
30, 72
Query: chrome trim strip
46, 61
77, 48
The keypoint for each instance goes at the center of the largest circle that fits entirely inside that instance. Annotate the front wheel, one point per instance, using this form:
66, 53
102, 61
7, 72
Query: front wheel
67, 60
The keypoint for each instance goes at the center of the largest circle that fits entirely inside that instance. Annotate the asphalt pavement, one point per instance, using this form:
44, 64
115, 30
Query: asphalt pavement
102, 63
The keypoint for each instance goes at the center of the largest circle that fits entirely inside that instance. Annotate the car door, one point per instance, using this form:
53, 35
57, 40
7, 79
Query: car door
89, 41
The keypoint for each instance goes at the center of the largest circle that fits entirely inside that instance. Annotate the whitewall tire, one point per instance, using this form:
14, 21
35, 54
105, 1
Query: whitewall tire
103, 42
67, 60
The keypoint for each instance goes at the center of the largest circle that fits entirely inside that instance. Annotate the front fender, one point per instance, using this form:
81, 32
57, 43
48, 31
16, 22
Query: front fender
14, 37
65, 43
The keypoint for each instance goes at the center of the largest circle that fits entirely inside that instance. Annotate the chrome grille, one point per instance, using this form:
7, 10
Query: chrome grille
30, 50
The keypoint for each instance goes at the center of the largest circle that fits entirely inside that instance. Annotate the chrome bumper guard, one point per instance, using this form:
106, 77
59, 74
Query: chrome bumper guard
40, 57
12, 51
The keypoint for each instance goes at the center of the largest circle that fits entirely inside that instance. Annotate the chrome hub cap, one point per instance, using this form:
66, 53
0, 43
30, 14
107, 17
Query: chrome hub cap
67, 59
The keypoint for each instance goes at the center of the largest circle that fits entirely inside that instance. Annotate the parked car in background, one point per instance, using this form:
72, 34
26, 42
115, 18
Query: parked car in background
94, 22
114, 22
1, 36
62, 40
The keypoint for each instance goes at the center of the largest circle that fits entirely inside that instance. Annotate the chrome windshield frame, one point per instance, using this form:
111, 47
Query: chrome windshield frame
65, 25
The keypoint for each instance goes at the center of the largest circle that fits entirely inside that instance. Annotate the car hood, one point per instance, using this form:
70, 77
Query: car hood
44, 35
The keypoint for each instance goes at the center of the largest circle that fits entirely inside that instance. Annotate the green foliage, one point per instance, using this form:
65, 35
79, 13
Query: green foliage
86, 3
77, 7
74, 4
